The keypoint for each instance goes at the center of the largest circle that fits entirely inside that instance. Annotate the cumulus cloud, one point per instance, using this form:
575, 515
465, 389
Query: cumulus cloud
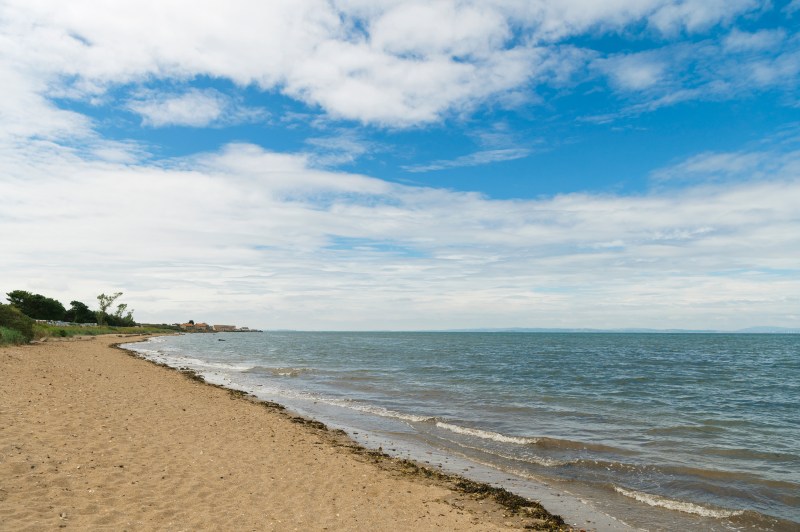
395, 64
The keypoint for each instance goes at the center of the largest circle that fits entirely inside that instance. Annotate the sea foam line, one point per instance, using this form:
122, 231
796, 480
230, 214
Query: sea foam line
378, 411
538, 460
681, 506
485, 434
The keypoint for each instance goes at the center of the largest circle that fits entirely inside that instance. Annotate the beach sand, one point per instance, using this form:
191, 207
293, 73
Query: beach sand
93, 438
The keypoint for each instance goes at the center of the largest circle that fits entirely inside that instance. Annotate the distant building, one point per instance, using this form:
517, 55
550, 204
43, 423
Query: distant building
195, 327
224, 328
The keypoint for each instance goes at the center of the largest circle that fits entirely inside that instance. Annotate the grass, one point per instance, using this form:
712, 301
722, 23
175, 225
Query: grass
41, 330
11, 337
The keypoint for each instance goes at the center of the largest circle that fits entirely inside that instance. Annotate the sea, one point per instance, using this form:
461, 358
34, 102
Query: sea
614, 431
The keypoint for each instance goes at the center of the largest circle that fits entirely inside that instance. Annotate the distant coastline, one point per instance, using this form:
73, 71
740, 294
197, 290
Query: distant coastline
748, 330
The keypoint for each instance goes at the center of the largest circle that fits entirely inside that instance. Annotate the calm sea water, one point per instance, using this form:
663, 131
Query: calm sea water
661, 431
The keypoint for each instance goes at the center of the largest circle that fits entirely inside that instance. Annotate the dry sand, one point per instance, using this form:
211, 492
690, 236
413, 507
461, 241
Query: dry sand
92, 438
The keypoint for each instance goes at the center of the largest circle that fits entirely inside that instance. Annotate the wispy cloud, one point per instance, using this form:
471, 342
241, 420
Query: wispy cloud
737, 65
342, 148
473, 159
781, 162
193, 108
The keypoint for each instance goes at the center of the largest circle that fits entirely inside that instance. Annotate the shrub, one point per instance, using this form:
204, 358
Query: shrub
11, 318
11, 336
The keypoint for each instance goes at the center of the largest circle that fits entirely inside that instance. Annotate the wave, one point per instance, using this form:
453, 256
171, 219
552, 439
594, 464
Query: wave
280, 372
555, 443
541, 442
178, 361
380, 411
680, 506
223, 366
538, 460
486, 435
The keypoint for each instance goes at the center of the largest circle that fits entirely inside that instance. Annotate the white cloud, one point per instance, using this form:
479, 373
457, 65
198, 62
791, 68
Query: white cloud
792, 7
633, 71
738, 41
693, 15
194, 108
260, 238
473, 159
738, 65
255, 237
344, 147
391, 63
731, 166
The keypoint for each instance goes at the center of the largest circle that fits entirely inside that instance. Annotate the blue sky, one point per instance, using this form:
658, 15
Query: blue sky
406, 165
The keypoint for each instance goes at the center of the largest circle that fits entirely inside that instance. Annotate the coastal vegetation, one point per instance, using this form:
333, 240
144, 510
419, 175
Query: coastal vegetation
15, 326
29, 316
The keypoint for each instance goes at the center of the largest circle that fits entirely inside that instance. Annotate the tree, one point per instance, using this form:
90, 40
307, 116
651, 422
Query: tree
79, 313
119, 318
37, 306
105, 303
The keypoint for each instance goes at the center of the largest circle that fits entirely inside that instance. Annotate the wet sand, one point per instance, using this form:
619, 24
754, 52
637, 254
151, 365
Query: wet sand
92, 437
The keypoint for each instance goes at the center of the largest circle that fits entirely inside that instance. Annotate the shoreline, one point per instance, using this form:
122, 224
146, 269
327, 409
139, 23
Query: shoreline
68, 410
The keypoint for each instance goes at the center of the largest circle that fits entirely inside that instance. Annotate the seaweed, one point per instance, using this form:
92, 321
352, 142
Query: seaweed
309, 422
513, 502
193, 375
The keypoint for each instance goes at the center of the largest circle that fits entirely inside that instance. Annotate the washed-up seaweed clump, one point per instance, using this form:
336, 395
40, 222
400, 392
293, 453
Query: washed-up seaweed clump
272, 405
193, 375
309, 422
513, 502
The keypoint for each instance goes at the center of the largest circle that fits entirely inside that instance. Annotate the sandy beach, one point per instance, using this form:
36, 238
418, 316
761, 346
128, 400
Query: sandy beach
92, 437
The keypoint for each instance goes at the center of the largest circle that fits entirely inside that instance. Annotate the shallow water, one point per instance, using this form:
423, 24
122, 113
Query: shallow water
661, 431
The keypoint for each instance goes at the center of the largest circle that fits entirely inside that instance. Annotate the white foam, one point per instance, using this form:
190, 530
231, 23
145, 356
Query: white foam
289, 372
546, 462
380, 411
680, 506
485, 434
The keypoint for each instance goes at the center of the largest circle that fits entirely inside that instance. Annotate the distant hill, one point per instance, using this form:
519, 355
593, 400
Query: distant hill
769, 330
749, 330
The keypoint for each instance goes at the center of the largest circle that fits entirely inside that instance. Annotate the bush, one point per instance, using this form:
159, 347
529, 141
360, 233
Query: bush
11, 336
11, 318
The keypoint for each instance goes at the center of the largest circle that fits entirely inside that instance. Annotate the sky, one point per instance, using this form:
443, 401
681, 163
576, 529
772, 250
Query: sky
405, 165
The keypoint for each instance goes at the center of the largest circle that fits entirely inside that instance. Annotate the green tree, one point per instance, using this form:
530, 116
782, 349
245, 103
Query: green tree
13, 318
79, 313
119, 318
105, 303
37, 306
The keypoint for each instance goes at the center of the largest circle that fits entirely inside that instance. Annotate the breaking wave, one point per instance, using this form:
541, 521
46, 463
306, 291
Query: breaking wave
680, 506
